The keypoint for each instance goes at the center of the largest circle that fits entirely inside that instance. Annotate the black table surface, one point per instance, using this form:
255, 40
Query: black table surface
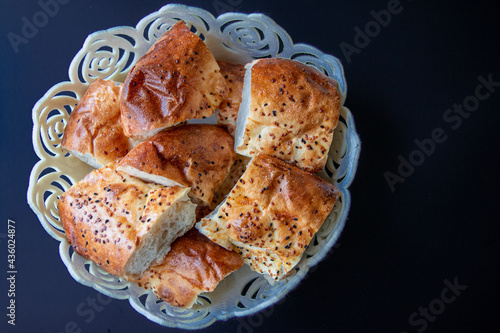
420, 250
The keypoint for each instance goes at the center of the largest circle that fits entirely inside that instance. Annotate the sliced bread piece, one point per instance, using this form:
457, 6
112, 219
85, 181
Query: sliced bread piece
289, 110
198, 156
271, 215
122, 223
94, 132
176, 80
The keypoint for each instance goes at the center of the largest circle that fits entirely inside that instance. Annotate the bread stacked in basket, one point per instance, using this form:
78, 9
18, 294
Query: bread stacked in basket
175, 206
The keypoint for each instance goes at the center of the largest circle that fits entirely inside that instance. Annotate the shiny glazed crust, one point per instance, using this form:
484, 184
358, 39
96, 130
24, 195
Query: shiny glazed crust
176, 80
198, 156
94, 132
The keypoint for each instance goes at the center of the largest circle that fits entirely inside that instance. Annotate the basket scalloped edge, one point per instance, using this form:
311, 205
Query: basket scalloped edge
110, 54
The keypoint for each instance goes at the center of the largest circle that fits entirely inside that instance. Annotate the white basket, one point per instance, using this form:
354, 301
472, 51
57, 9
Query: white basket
110, 54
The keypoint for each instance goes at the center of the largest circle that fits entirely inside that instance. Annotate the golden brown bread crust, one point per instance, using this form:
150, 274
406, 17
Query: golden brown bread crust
228, 109
178, 79
94, 126
194, 265
237, 170
197, 156
292, 114
271, 215
106, 215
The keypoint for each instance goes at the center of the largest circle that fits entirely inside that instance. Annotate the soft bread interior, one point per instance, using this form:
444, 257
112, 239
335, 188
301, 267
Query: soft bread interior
173, 223
147, 177
241, 122
86, 158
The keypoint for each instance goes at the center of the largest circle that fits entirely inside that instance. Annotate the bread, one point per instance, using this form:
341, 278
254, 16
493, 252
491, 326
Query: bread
94, 132
194, 265
197, 156
237, 170
122, 223
271, 215
228, 109
289, 110
178, 79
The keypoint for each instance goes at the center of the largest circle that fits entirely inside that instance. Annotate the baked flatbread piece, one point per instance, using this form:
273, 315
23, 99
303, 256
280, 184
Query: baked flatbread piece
122, 223
197, 156
94, 131
271, 215
289, 110
178, 79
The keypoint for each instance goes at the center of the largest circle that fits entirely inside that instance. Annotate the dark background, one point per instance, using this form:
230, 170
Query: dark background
398, 246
